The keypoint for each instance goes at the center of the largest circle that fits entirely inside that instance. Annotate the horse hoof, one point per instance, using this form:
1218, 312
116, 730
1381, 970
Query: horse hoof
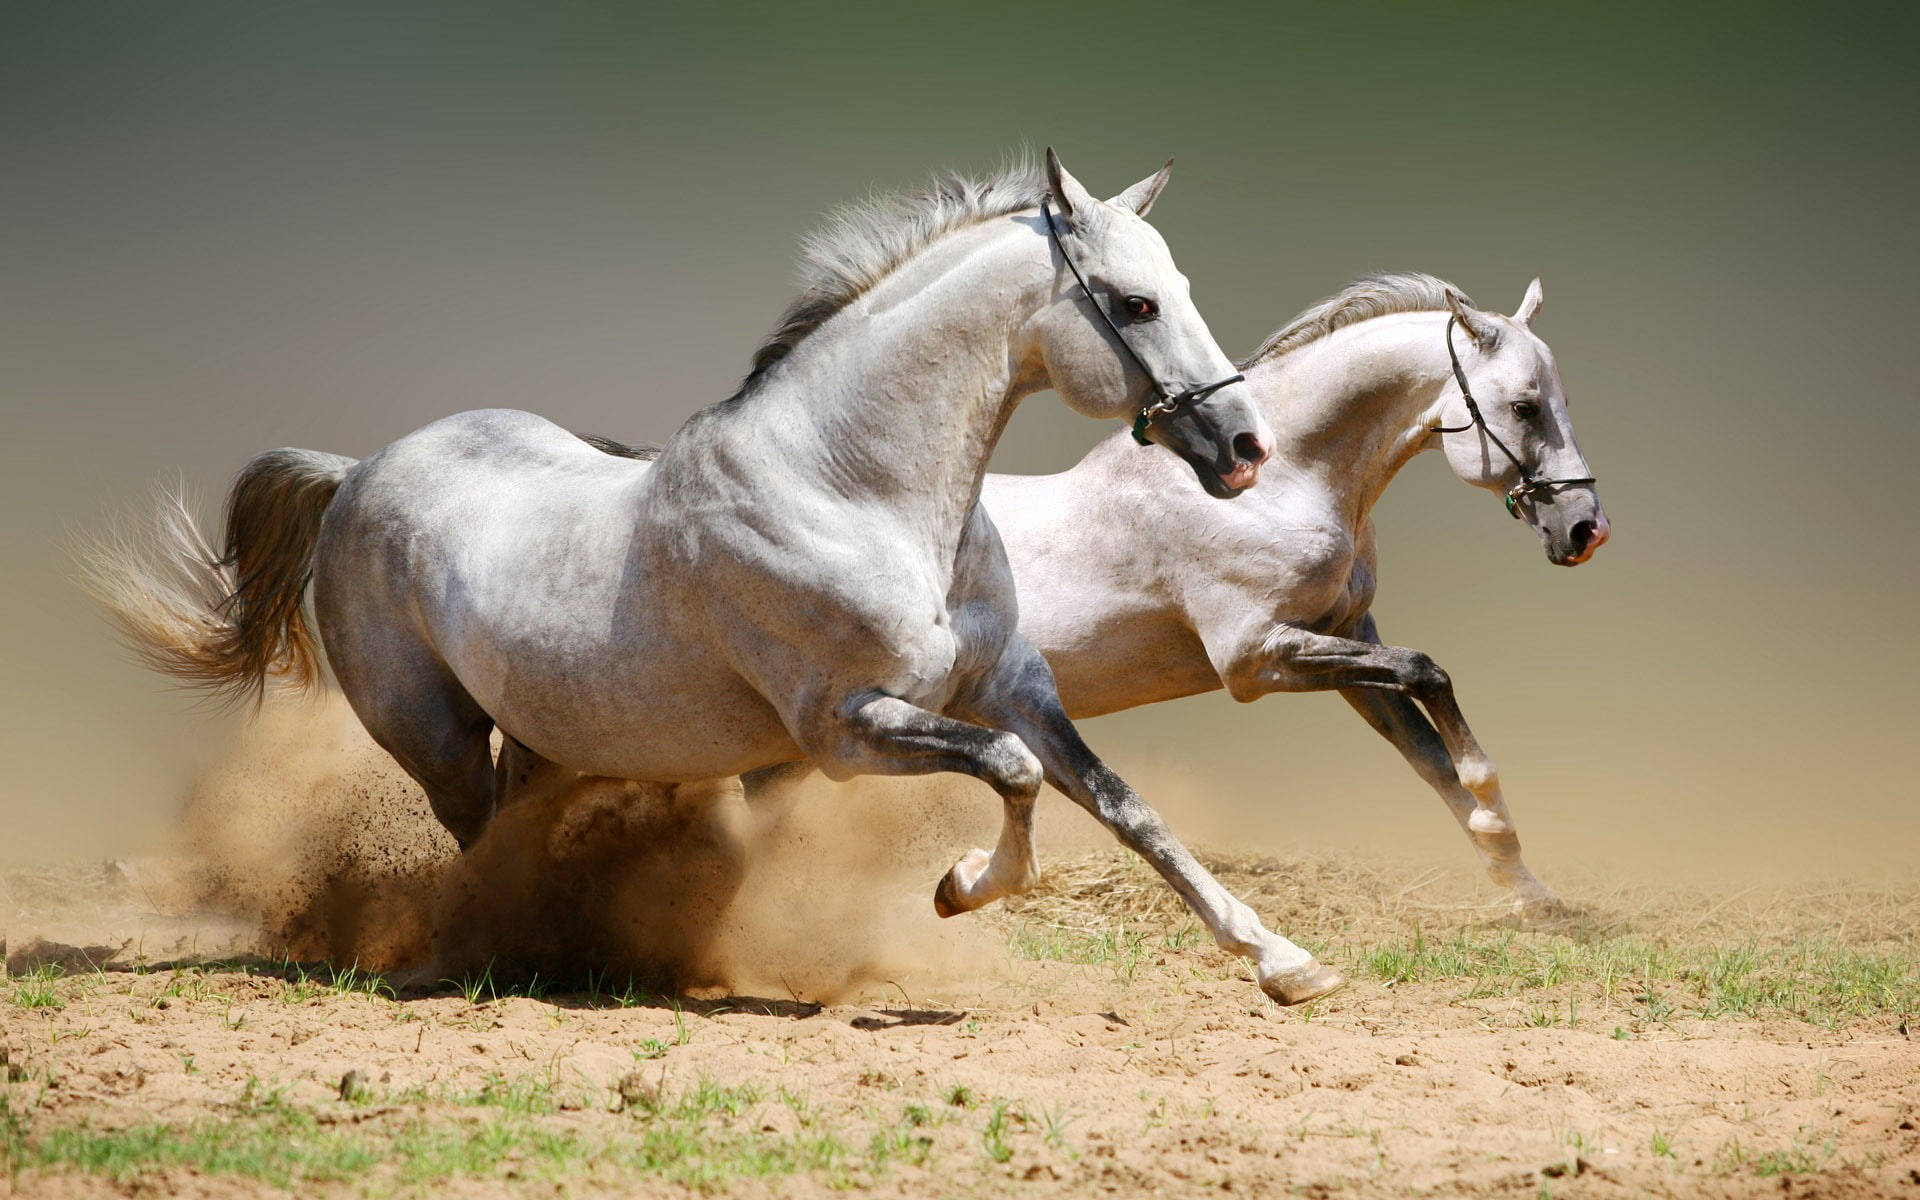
1309, 981
946, 898
1542, 910
950, 899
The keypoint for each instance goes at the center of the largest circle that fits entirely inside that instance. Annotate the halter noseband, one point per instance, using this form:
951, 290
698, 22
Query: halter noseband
1169, 401
1528, 484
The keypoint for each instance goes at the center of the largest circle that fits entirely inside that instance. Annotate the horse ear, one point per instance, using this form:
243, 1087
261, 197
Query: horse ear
1530, 307
1140, 197
1482, 331
1067, 192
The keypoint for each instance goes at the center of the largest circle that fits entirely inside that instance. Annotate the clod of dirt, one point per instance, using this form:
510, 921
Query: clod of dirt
1406, 1060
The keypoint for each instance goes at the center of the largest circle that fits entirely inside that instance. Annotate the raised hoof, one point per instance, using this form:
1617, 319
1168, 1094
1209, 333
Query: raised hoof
1310, 981
950, 898
946, 897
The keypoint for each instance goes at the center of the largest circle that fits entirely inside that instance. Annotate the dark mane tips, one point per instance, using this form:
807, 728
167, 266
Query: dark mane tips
607, 445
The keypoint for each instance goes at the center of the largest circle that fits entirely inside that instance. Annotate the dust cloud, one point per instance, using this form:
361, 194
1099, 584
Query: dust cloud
314, 837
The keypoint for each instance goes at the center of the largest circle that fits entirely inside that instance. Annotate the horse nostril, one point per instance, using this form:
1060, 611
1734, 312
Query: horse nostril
1248, 448
1580, 535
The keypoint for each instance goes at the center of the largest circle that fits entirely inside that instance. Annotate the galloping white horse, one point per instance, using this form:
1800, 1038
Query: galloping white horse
1136, 589
803, 571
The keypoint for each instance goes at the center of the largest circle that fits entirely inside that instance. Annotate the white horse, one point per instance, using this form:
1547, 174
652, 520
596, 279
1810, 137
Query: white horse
803, 571
1137, 589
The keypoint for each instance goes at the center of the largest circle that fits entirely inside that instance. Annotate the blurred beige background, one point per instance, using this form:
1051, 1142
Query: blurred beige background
229, 227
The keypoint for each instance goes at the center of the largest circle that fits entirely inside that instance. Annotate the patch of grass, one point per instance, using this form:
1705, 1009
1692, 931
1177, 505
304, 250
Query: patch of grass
1053, 1126
1810, 1153
1116, 948
39, 989
903, 1143
352, 981
994, 1136
283, 1150
474, 987
526, 1095
693, 1139
13, 1136
1821, 981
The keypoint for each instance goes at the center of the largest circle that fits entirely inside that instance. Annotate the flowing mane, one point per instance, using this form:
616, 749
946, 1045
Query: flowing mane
862, 243
1365, 298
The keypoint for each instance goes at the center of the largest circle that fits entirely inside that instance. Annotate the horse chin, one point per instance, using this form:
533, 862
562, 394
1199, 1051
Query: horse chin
1211, 480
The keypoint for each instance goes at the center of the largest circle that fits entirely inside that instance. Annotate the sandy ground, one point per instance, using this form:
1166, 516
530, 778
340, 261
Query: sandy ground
1162, 1071
779, 1012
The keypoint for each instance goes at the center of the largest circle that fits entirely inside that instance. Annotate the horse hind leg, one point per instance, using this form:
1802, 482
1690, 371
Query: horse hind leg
521, 773
448, 752
416, 711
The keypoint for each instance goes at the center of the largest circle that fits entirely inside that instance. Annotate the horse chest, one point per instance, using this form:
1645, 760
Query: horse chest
1352, 602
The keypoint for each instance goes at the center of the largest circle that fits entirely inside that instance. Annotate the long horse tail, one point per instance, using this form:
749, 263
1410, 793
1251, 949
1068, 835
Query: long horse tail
224, 622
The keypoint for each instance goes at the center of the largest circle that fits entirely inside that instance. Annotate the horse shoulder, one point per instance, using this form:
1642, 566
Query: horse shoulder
981, 603
1296, 571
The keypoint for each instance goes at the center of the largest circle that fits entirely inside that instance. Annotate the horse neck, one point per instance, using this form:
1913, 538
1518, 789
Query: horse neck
1354, 407
902, 395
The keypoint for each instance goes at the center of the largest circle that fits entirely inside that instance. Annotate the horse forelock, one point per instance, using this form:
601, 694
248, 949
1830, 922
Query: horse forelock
1365, 298
862, 243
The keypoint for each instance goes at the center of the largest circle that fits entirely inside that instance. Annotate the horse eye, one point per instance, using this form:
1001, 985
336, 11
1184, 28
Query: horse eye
1141, 309
1526, 410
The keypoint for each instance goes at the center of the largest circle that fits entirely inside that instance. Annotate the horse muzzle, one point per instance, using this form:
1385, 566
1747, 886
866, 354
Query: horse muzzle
1221, 438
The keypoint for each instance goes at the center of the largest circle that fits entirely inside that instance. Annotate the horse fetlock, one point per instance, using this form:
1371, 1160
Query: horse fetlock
1491, 823
1425, 677
1478, 775
1502, 852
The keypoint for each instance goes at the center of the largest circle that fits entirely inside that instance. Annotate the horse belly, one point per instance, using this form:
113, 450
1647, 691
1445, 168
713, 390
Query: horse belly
600, 671
676, 724
1103, 666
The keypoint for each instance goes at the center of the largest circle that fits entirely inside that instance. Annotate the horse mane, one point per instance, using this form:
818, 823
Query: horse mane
1370, 296
606, 445
862, 243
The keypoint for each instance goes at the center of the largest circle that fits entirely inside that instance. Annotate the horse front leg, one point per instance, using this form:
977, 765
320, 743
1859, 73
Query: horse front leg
1400, 721
1382, 682
884, 735
1022, 698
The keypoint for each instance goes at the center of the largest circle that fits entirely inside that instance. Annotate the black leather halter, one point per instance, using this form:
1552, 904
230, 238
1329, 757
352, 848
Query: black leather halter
1528, 484
1169, 401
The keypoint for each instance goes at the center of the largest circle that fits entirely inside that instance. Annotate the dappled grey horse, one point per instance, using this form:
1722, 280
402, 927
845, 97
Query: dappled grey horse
1168, 595
803, 571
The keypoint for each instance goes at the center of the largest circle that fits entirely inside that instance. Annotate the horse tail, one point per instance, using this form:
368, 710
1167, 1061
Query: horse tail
224, 622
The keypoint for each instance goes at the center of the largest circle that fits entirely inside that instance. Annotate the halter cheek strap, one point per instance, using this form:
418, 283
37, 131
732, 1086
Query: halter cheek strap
1169, 401
1529, 484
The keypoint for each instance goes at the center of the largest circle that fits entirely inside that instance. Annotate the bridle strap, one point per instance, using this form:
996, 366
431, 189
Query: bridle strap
1169, 401
1528, 484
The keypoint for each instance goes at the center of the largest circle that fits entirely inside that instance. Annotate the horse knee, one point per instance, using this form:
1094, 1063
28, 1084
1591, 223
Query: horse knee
1013, 770
1424, 677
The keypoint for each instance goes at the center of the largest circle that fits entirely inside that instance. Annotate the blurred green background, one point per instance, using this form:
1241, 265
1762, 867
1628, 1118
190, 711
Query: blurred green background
231, 227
